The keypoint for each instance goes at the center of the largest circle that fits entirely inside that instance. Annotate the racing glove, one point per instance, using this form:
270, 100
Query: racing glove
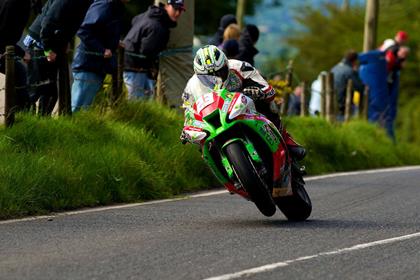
184, 138
254, 93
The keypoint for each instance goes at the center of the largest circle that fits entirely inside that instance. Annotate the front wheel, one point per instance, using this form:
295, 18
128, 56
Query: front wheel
248, 176
297, 207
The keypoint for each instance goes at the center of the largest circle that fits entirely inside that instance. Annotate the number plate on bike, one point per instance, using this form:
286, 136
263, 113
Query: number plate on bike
204, 101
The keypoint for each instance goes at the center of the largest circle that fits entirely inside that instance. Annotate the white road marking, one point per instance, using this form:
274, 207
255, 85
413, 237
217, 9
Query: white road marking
203, 194
273, 266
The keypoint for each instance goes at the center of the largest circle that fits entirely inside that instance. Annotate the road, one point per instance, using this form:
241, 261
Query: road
363, 226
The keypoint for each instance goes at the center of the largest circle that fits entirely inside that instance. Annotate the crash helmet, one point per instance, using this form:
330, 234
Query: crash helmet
210, 60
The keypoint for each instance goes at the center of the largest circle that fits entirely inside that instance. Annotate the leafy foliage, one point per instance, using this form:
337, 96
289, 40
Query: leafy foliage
327, 33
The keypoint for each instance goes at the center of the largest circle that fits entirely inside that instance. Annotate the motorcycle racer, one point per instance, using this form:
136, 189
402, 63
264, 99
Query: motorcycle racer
235, 76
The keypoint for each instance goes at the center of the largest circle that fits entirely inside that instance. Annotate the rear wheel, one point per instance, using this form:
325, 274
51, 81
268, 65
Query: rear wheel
297, 207
248, 176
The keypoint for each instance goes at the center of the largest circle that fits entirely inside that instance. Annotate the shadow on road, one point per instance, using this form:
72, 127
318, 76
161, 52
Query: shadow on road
314, 224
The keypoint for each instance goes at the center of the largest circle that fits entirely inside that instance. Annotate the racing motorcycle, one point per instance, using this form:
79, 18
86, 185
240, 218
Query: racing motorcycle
246, 152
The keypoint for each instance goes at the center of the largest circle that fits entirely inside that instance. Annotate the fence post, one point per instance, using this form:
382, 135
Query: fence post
64, 94
10, 88
329, 104
289, 79
117, 78
303, 98
349, 94
323, 95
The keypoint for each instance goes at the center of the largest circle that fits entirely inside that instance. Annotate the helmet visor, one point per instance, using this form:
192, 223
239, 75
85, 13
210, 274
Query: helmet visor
211, 81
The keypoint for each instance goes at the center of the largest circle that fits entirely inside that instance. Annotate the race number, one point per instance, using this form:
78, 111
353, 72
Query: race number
204, 101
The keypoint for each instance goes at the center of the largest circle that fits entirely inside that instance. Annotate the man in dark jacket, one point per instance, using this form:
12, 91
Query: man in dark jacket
42, 74
225, 21
346, 70
13, 17
49, 36
60, 24
247, 41
147, 37
99, 34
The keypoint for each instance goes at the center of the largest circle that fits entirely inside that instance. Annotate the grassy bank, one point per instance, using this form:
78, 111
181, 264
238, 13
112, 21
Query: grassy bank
133, 154
352, 146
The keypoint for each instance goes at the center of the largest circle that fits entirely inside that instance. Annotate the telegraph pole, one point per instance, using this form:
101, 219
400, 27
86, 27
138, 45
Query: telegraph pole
371, 25
240, 12
346, 5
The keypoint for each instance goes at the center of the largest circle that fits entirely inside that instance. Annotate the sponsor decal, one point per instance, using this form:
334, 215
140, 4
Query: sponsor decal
226, 106
269, 134
244, 100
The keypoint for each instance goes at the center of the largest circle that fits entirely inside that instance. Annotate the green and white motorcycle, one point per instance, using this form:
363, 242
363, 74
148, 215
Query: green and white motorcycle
246, 152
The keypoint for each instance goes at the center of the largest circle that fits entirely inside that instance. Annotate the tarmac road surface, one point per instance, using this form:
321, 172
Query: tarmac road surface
363, 226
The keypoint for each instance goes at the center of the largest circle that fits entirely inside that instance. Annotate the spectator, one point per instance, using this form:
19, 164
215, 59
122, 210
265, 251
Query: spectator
225, 21
147, 37
247, 41
94, 58
393, 88
232, 32
47, 40
346, 70
13, 17
230, 45
315, 102
230, 48
399, 40
295, 101
59, 25
42, 74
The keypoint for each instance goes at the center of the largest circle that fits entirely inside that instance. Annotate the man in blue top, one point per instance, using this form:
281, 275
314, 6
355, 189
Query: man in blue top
99, 34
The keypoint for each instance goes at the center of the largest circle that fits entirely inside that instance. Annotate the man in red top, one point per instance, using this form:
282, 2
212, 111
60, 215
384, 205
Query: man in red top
391, 48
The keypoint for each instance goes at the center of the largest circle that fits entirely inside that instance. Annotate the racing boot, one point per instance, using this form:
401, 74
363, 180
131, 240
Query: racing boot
296, 150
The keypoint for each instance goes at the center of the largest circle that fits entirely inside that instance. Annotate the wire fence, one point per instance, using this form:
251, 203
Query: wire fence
283, 81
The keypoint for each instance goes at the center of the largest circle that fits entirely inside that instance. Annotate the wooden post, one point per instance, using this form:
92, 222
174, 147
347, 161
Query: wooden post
303, 98
329, 103
371, 25
289, 79
323, 95
240, 12
64, 94
10, 89
117, 78
349, 91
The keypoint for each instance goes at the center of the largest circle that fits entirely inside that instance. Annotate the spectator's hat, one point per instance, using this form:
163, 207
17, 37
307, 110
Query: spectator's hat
178, 4
402, 35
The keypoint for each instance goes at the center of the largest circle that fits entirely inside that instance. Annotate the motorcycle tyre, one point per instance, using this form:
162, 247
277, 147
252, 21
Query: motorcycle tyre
297, 207
247, 174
